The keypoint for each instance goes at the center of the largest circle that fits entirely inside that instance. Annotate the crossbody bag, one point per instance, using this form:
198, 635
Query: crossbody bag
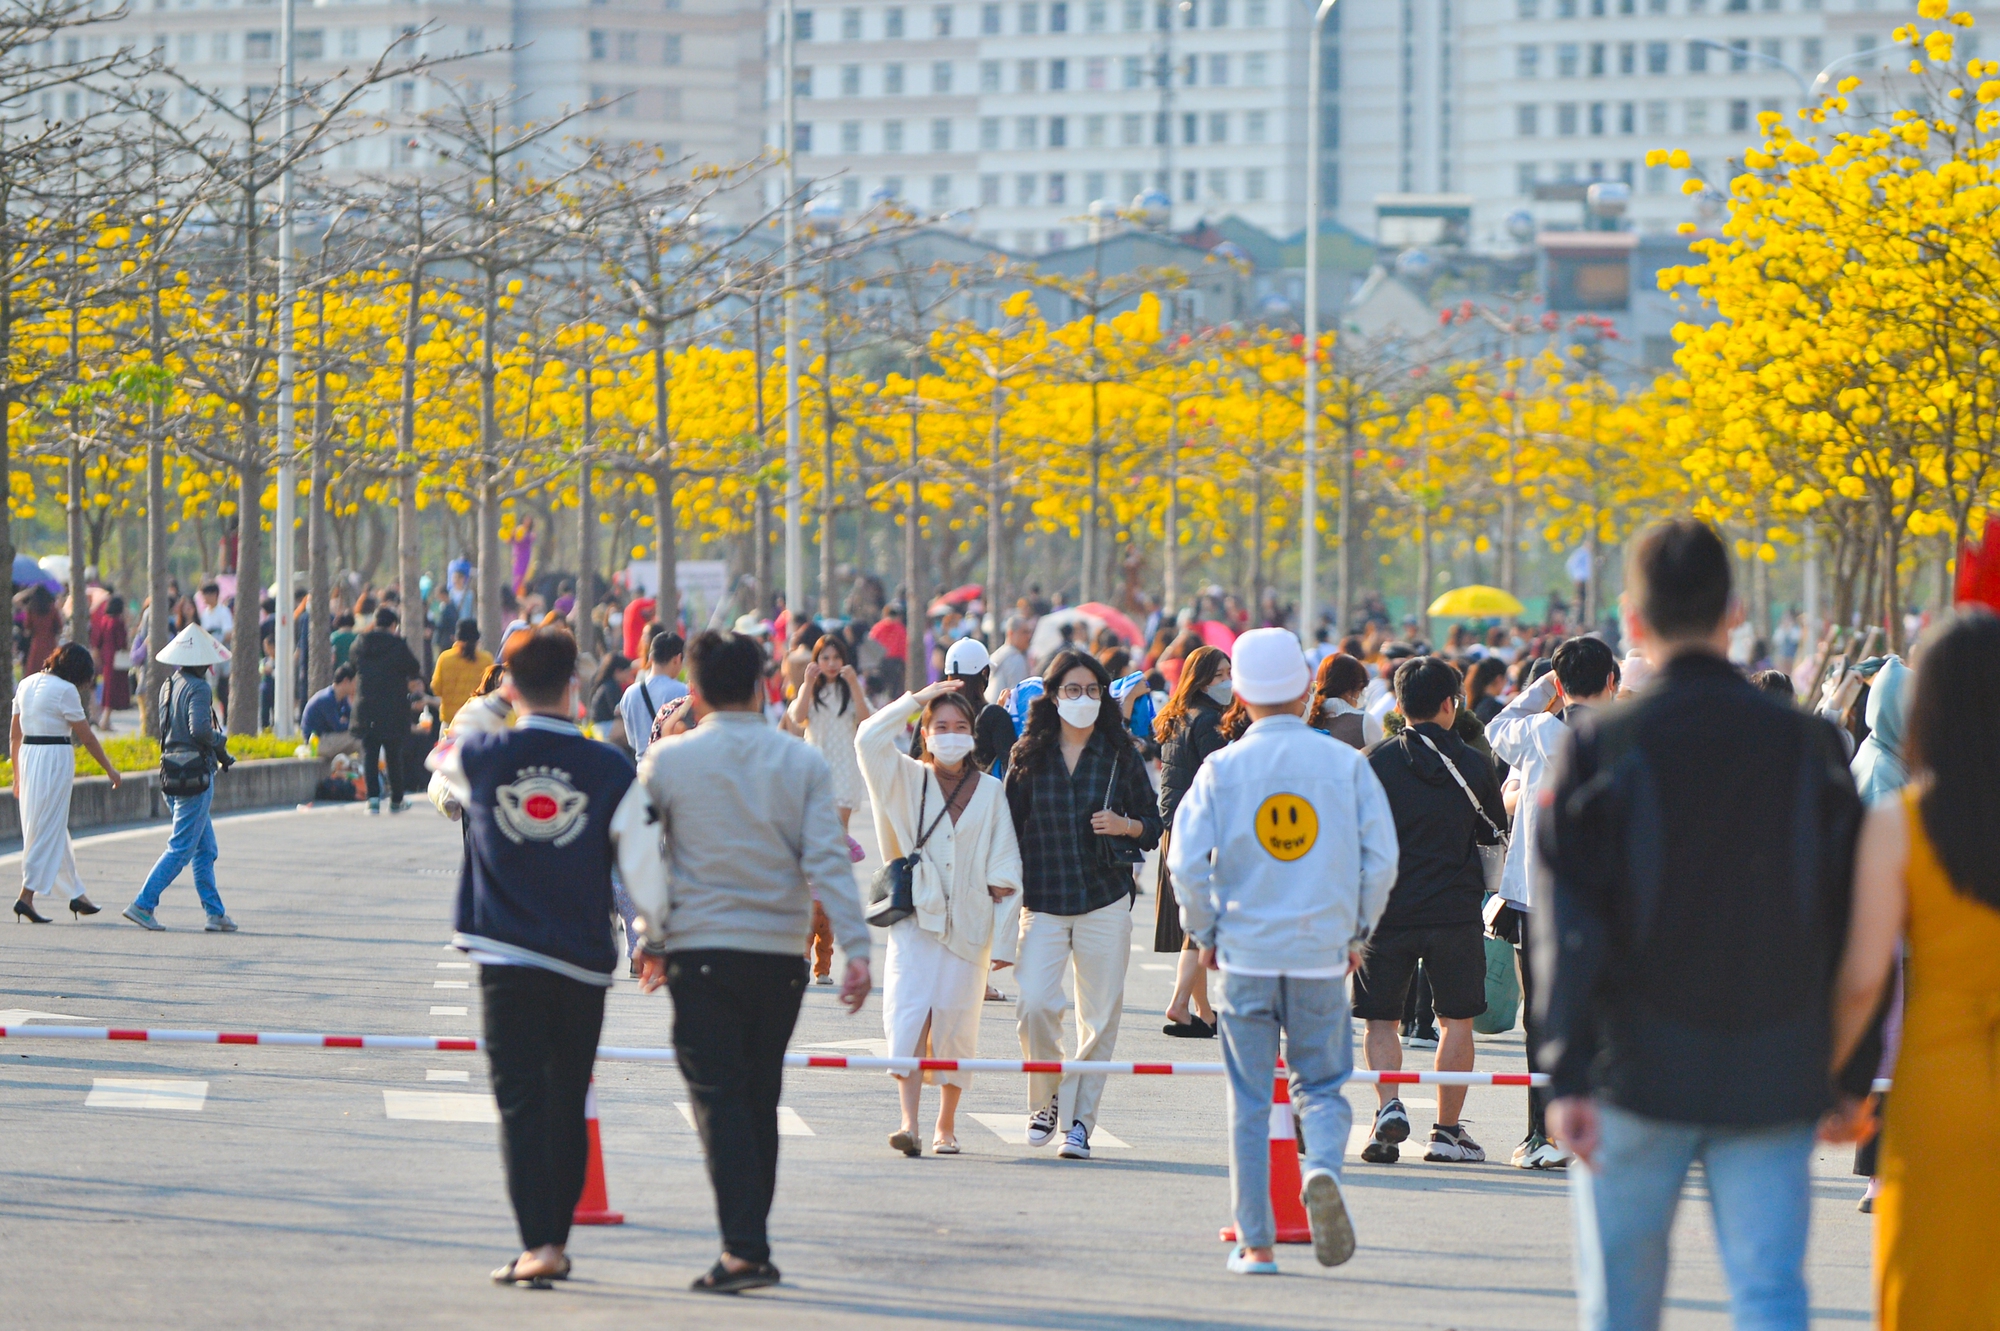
892, 896
1492, 859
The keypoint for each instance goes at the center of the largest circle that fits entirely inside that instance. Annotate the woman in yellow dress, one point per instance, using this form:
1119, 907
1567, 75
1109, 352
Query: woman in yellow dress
1928, 868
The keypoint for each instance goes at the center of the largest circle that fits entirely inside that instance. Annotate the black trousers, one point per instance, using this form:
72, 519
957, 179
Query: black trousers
541, 1040
1538, 1096
384, 743
733, 1016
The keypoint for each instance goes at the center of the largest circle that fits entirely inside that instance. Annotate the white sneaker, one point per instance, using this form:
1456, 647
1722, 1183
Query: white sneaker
1076, 1146
1453, 1144
1042, 1125
1548, 1155
1241, 1263
1326, 1212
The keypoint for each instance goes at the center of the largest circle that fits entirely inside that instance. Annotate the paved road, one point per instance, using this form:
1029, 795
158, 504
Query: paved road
302, 1192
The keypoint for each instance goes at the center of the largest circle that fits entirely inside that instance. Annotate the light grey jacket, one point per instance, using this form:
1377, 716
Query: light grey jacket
748, 833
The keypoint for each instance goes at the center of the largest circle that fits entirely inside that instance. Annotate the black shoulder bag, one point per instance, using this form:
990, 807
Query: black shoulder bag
1120, 852
183, 768
891, 897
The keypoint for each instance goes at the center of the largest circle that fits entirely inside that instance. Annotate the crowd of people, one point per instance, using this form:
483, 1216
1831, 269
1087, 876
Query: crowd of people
1724, 916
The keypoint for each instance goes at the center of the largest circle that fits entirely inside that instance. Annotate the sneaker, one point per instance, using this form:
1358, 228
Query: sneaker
399, 806
1525, 1149
1424, 1037
221, 924
1240, 1263
144, 919
1453, 1144
1042, 1125
1326, 1212
1547, 1155
375, 806
1392, 1125
1076, 1146
823, 979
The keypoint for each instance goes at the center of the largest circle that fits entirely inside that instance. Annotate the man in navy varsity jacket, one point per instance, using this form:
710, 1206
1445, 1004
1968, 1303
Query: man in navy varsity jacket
534, 909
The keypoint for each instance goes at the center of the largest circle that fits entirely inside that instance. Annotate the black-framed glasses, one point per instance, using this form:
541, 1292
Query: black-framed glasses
1075, 691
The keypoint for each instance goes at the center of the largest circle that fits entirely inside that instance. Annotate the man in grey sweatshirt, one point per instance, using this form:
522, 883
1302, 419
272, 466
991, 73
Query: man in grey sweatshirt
748, 832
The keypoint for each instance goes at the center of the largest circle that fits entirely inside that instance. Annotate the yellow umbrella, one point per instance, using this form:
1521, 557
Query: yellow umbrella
1475, 602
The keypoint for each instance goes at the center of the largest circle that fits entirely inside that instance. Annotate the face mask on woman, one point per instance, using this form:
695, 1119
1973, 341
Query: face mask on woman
1223, 691
949, 748
1079, 712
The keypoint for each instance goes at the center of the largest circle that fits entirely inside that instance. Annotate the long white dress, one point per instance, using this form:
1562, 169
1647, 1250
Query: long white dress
936, 969
46, 705
831, 730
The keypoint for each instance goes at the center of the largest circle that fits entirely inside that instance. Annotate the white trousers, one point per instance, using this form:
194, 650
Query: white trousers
43, 785
1097, 950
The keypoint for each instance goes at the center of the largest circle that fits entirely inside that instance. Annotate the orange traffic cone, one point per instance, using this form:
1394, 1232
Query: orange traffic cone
594, 1208
1287, 1206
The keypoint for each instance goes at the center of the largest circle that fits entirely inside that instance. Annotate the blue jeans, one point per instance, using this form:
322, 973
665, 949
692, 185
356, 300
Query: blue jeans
1319, 1052
1759, 1188
193, 839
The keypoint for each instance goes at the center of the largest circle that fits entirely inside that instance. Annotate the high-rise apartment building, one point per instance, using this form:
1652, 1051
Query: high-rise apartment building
1017, 115
1487, 99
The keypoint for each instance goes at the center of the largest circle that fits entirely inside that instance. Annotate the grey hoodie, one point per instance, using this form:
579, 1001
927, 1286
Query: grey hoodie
1878, 767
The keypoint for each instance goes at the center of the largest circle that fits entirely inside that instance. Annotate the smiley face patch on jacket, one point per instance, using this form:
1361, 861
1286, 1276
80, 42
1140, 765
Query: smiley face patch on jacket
541, 805
1287, 826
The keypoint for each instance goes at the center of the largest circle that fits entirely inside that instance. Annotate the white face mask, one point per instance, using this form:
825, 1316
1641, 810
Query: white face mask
1223, 691
949, 748
1079, 712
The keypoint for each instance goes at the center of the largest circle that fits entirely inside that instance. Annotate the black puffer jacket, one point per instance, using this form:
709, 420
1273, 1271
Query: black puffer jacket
384, 666
1439, 878
1182, 756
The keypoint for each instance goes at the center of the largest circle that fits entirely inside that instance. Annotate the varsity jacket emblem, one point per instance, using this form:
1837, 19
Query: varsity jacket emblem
541, 805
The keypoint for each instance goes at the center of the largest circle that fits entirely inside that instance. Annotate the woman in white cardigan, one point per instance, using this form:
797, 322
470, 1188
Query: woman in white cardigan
934, 986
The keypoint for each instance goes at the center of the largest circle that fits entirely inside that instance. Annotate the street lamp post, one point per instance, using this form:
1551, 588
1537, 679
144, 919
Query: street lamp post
795, 550
283, 666
1309, 533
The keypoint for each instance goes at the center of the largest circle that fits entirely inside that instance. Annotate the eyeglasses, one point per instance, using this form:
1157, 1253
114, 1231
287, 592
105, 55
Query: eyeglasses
1075, 691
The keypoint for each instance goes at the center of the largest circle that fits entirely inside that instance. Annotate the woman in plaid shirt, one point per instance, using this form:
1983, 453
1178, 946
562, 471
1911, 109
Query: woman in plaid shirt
1084, 814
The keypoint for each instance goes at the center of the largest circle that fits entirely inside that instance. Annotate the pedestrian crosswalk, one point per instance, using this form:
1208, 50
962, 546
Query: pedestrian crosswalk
1013, 1129
146, 1093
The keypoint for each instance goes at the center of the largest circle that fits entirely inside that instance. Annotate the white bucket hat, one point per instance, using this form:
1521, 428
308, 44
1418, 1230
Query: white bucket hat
193, 647
966, 657
1269, 667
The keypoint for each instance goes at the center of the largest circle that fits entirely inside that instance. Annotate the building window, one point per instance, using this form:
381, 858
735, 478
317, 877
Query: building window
670, 49
1566, 60
1026, 76
989, 191
850, 80
1256, 13
1095, 16
1030, 19
1058, 75
1093, 73
600, 44
1527, 9
258, 45
989, 76
989, 132
1565, 8
1135, 72
1254, 126
1628, 58
1697, 58
1597, 117
805, 25
1058, 187
1597, 60
1024, 190
1218, 13
1566, 118
1656, 117
892, 186
1027, 132
1162, 129
1628, 118
1739, 115
1697, 117
941, 136
1131, 183
989, 20
1135, 15
1771, 49
1094, 186
628, 47
1739, 54
1527, 62
892, 21
892, 79
1524, 179
1656, 180
1810, 52
1131, 131
1527, 120
941, 76
1253, 185
1656, 57
1059, 16
1218, 185
892, 136
1058, 132
1218, 71
941, 20
850, 25
850, 136
940, 192
1257, 69
1218, 127
1190, 185
1093, 134
801, 134
1190, 128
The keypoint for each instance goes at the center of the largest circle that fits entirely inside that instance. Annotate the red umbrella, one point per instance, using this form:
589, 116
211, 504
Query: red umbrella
971, 591
1216, 635
1113, 620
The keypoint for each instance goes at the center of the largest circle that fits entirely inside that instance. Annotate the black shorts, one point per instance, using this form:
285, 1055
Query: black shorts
1454, 956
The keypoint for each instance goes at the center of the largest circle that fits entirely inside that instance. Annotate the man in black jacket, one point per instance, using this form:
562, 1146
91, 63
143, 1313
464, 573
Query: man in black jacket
1695, 857
384, 665
1446, 801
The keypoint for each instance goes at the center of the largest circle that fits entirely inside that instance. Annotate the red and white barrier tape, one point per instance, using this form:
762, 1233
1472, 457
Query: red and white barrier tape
852, 1063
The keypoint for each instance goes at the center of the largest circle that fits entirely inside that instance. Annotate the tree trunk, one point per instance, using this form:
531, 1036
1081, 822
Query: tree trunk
586, 574
409, 555
1170, 527
1088, 582
319, 557
245, 650
760, 559
996, 524
159, 615
1348, 535
666, 607
488, 499
914, 667
827, 566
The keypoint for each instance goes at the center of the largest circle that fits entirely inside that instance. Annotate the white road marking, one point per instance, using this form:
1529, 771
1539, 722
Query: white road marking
1157, 966
1363, 1130
454, 965
163, 827
451, 984
447, 1011
21, 1016
123, 1093
439, 1106
1013, 1129
789, 1122
875, 1048
445, 1074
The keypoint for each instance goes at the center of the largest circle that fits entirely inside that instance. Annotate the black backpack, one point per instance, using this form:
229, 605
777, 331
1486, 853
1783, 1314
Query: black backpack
184, 769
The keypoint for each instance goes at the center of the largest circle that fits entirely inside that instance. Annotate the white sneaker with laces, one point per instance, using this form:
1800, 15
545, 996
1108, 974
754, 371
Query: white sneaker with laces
1042, 1125
1547, 1156
1453, 1145
1076, 1146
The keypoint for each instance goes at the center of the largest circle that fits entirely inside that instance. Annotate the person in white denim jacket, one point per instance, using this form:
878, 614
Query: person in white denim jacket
1283, 853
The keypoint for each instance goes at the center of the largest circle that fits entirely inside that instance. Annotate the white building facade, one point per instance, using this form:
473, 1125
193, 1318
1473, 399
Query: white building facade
1015, 116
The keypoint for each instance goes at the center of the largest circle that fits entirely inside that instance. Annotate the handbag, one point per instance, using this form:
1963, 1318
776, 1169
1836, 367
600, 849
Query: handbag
892, 895
1492, 859
184, 769
1118, 851
121, 659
